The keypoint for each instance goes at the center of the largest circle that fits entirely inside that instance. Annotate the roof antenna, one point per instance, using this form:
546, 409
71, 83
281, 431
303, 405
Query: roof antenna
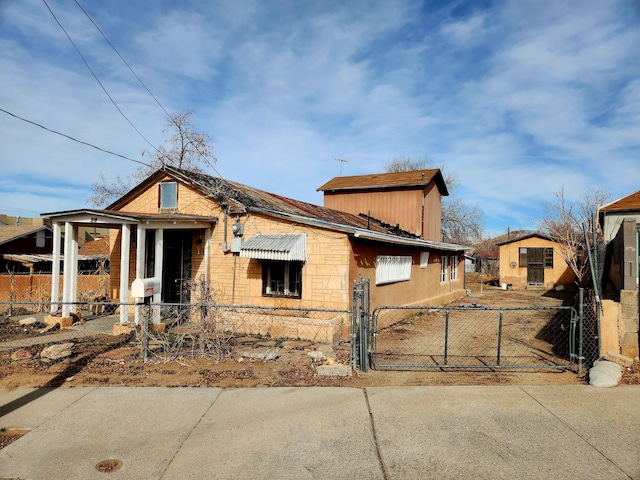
342, 162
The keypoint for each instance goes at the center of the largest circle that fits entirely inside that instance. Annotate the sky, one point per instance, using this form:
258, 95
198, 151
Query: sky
516, 99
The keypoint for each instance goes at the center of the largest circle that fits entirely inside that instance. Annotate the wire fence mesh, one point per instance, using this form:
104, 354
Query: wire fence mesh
467, 337
166, 332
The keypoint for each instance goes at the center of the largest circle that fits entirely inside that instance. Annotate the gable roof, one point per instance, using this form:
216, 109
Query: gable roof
382, 181
524, 237
630, 202
12, 232
241, 198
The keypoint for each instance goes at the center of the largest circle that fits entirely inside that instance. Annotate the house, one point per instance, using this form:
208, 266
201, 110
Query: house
620, 226
533, 260
25, 248
407, 200
258, 248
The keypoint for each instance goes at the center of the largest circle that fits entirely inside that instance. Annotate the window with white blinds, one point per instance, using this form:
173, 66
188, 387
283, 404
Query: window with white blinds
392, 268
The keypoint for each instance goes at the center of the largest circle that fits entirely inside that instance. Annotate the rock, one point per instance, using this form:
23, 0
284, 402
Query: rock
328, 351
618, 358
28, 321
295, 344
317, 355
336, 370
50, 328
262, 355
56, 352
21, 354
605, 374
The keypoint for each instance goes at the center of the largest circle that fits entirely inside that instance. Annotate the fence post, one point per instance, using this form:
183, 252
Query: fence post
499, 338
580, 327
145, 331
446, 334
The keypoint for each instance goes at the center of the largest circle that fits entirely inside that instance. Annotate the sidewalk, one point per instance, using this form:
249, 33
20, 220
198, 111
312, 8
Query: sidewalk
541, 432
94, 326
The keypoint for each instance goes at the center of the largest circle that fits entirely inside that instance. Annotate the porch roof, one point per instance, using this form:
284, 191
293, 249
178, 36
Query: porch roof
118, 217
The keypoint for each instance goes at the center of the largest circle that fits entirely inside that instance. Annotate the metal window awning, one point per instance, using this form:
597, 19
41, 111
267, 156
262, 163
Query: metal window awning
276, 246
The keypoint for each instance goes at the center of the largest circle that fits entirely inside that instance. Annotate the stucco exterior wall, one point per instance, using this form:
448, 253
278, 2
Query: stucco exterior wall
511, 272
424, 287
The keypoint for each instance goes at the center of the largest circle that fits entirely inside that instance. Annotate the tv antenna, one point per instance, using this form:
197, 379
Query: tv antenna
342, 162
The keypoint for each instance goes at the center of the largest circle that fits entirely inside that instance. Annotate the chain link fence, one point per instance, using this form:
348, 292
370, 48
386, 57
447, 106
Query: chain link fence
473, 337
164, 332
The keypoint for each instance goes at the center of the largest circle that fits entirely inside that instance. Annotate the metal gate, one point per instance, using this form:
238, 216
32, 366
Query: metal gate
404, 338
360, 325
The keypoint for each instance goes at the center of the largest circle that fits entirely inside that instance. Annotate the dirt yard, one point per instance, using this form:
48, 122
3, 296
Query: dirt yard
114, 361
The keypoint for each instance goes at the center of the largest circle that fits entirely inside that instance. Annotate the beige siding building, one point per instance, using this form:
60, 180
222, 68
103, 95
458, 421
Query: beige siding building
533, 261
257, 248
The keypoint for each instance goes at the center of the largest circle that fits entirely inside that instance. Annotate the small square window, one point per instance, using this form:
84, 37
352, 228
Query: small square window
282, 279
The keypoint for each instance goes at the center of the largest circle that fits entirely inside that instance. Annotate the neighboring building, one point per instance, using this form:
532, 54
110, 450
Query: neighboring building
620, 225
25, 248
262, 249
533, 260
410, 201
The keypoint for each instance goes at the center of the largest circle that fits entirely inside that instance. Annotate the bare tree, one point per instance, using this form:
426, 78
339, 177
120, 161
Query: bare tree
563, 224
460, 223
186, 148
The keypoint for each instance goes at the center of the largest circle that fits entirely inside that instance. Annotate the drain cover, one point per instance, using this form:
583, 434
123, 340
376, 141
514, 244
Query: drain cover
108, 466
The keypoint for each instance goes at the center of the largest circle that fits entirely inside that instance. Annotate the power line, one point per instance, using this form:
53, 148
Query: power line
96, 77
134, 73
74, 139
122, 58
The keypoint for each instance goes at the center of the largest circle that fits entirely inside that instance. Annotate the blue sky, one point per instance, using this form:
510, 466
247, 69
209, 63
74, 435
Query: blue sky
517, 98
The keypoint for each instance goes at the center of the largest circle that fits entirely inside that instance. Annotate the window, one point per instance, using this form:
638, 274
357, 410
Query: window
282, 279
548, 257
443, 269
392, 268
168, 196
40, 239
454, 268
523, 257
424, 259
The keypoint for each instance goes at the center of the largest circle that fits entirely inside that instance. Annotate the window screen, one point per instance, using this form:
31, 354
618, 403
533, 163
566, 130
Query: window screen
392, 268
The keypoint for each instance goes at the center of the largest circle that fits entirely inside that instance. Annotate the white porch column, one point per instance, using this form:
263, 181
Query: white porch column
141, 244
207, 250
157, 298
55, 270
74, 268
70, 280
125, 248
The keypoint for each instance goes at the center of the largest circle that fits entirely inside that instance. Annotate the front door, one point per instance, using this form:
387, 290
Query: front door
535, 266
176, 266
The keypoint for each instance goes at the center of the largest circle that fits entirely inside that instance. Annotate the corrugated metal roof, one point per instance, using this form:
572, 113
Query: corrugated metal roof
630, 202
276, 246
414, 178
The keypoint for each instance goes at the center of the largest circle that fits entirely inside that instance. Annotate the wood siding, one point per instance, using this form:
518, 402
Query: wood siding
415, 210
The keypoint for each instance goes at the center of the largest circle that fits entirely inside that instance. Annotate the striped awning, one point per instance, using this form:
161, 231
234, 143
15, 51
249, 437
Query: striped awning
276, 246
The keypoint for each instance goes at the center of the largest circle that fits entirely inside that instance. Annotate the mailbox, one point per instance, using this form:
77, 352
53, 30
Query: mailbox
145, 287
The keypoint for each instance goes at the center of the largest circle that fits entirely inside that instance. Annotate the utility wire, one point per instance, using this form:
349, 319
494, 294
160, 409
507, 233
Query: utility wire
74, 139
121, 58
96, 77
134, 73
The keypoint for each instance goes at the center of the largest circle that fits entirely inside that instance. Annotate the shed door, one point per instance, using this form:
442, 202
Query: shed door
535, 266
